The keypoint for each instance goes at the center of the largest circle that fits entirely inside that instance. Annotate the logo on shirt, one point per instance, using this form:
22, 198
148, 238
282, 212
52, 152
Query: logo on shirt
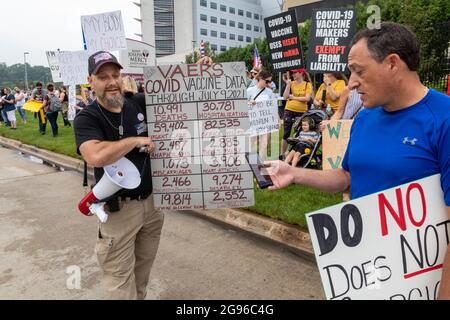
140, 117
410, 142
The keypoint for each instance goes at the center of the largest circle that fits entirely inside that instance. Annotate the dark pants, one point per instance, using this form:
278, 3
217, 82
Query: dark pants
5, 117
42, 125
52, 117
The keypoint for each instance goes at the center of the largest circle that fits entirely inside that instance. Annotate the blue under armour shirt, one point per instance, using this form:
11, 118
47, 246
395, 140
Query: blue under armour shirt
387, 149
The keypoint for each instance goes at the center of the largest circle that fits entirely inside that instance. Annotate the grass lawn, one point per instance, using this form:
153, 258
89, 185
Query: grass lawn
288, 205
29, 133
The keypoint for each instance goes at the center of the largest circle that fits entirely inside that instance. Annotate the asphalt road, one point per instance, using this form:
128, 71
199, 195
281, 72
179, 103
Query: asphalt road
45, 244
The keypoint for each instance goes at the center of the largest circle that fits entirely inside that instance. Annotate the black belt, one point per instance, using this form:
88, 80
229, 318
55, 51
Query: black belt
138, 198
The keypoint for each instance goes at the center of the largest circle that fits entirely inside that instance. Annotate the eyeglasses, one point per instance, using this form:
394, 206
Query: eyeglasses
268, 81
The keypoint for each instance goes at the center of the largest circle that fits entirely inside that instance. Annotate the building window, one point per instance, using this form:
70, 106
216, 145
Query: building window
214, 47
203, 3
256, 16
241, 38
213, 5
223, 22
256, 28
232, 10
213, 19
203, 32
249, 39
223, 35
232, 23
249, 14
240, 25
249, 27
232, 36
223, 8
223, 48
203, 17
214, 33
240, 12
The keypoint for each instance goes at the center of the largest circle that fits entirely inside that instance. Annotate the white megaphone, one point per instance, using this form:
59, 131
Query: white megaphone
122, 174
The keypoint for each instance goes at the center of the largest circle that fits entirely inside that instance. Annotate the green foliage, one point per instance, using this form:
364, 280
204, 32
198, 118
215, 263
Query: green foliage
427, 20
14, 75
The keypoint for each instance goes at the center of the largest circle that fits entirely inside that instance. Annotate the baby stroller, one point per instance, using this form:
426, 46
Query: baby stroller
311, 153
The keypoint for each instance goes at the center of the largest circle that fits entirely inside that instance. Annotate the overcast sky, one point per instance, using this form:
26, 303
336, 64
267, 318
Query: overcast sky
36, 26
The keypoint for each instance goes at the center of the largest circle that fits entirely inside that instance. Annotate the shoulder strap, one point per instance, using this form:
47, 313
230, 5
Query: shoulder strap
259, 93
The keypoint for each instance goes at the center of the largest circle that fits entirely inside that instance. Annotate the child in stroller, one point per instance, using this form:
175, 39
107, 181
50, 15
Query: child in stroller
306, 140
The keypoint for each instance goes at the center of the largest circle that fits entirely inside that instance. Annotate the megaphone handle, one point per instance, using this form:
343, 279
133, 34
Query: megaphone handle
99, 211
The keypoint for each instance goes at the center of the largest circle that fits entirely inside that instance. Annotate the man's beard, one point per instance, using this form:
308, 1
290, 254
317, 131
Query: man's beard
115, 102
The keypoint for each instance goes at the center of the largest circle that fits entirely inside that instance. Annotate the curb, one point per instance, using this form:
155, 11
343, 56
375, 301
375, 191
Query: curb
293, 237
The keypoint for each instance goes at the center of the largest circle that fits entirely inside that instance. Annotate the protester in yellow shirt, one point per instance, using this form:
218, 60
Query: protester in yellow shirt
331, 89
297, 93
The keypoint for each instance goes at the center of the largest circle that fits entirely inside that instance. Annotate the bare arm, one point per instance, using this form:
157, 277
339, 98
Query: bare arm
101, 153
444, 291
333, 95
287, 91
282, 174
342, 103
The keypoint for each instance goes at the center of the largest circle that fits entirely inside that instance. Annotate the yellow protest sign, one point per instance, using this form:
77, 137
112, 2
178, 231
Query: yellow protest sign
335, 138
32, 105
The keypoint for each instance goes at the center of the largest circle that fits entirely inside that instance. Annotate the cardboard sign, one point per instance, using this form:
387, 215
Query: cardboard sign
331, 33
139, 54
263, 117
53, 63
104, 32
198, 118
284, 41
72, 103
388, 245
335, 139
74, 67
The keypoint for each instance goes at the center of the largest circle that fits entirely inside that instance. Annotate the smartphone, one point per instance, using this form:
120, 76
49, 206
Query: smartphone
263, 180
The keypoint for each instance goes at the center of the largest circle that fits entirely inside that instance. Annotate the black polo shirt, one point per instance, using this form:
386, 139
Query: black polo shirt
95, 124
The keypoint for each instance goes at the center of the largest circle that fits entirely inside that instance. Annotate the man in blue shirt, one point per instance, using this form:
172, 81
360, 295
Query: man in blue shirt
402, 135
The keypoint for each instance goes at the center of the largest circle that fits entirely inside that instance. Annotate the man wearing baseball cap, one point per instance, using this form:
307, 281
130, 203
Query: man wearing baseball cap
110, 128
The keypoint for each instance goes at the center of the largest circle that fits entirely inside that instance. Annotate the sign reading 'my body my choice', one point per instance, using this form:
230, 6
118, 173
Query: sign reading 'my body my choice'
198, 118
331, 33
284, 41
388, 245
104, 32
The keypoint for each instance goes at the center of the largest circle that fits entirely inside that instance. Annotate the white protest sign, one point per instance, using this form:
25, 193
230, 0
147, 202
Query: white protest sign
198, 119
72, 103
139, 54
74, 67
388, 245
263, 117
53, 63
104, 32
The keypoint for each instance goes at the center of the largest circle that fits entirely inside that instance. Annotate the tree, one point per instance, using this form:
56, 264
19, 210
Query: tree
15, 75
428, 19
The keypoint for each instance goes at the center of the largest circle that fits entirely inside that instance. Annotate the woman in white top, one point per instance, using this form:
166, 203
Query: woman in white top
260, 92
20, 101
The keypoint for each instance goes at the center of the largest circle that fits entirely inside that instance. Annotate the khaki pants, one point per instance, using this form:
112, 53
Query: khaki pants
126, 248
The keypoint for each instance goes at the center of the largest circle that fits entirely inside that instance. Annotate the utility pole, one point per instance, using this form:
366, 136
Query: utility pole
25, 63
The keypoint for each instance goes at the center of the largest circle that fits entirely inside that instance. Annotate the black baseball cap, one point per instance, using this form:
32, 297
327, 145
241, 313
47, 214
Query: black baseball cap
100, 58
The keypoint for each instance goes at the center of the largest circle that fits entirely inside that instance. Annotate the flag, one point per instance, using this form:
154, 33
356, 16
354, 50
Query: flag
202, 49
256, 58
